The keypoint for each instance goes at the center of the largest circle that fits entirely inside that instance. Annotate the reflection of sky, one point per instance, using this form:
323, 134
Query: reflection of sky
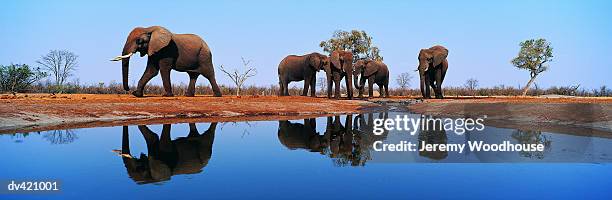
482, 36
257, 165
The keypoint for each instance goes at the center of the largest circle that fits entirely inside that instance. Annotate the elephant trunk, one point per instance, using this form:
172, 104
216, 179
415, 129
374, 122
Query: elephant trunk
125, 70
356, 81
423, 85
128, 49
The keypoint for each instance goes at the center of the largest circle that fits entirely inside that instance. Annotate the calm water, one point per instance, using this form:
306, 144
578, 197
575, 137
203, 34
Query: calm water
328, 157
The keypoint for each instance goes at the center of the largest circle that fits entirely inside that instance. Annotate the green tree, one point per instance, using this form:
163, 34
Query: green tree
18, 77
533, 56
357, 42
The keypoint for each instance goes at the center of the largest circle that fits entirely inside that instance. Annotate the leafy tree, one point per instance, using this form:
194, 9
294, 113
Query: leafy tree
357, 42
533, 56
60, 64
18, 77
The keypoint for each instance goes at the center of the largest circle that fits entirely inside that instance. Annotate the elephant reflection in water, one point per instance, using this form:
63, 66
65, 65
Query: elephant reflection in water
433, 134
346, 144
301, 136
167, 157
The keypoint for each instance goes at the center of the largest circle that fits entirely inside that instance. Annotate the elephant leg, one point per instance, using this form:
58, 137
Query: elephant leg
349, 85
193, 130
371, 86
362, 82
150, 72
337, 80
287, 89
313, 86
165, 140
427, 87
165, 68
151, 140
210, 75
438, 86
125, 141
281, 88
381, 89
193, 77
208, 71
387, 89
306, 85
329, 86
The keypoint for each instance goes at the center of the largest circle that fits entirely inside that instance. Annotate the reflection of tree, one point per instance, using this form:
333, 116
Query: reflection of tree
60, 136
532, 137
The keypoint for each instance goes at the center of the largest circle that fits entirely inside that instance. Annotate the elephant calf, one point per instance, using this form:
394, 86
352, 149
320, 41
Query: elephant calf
373, 71
298, 68
432, 70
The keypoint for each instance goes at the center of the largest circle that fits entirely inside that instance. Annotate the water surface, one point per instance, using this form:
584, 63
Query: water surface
327, 157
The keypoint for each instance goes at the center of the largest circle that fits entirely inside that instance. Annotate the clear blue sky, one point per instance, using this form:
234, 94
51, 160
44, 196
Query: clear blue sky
482, 36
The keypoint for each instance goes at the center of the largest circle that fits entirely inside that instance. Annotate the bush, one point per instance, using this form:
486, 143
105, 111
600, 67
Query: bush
18, 77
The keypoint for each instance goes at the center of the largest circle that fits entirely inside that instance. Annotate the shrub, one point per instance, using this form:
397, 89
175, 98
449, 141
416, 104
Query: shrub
18, 77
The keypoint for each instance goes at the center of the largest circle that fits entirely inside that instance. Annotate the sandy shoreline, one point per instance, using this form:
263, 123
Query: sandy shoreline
39, 112
578, 116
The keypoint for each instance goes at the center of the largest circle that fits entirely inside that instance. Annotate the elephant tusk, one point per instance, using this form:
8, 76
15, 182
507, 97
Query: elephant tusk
118, 58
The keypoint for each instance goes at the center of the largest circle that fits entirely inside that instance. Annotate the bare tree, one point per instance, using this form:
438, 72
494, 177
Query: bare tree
471, 84
60, 64
403, 80
323, 84
239, 77
61, 136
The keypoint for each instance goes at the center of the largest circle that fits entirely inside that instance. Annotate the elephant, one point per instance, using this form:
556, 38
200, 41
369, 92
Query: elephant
373, 71
341, 66
167, 157
298, 68
167, 51
301, 136
433, 133
432, 70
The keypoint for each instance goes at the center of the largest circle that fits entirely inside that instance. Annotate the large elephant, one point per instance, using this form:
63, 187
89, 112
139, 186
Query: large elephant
167, 51
373, 71
432, 69
341, 66
301, 68
167, 157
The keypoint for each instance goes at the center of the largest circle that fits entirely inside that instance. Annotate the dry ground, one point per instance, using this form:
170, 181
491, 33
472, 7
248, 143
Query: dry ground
578, 115
36, 112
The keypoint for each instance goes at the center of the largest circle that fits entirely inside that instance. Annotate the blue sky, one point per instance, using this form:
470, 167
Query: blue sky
482, 36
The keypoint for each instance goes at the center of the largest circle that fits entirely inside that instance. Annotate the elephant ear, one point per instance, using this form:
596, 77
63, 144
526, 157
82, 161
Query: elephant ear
160, 38
335, 60
314, 61
371, 68
439, 55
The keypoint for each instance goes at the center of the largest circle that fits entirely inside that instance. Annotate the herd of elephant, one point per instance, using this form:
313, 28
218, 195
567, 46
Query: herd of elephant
189, 53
